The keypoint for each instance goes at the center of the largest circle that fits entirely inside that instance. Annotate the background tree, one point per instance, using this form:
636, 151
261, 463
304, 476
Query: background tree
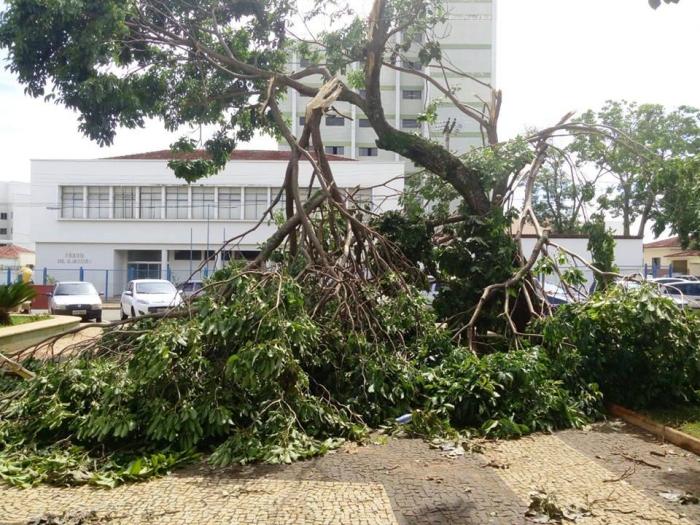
561, 195
642, 138
679, 206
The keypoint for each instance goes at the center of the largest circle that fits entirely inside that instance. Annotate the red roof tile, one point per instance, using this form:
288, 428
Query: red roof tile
672, 242
237, 154
12, 251
685, 253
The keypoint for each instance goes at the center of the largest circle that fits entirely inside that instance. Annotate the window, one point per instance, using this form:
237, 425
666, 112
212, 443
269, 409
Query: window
302, 121
368, 152
72, 202
361, 198
151, 203
98, 202
656, 262
187, 255
3, 231
412, 94
255, 203
124, 201
176, 202
335, 150
3, 216
410, 123
230, 203
282, 203
203, 204
415, 65
334, 120
364, 123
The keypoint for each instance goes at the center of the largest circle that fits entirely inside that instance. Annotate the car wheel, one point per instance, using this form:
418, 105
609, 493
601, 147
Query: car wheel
133, 312
98, 319
123, 315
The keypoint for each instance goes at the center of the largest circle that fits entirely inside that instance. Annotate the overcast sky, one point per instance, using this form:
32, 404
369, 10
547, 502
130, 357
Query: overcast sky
553, 56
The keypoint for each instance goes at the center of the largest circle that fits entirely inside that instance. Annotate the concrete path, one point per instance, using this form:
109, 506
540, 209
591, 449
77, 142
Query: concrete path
608, 474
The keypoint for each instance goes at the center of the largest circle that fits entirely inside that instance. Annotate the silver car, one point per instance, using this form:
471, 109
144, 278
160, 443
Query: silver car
76, 298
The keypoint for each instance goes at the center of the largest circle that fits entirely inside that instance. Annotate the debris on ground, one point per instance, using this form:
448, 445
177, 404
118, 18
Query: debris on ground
72, 518
544, 508
496, 464
684, 498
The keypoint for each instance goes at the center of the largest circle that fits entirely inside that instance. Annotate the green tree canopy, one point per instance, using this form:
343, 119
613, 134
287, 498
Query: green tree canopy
642, 138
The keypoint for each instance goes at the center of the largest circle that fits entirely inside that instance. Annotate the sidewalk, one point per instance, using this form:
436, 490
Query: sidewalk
607, 473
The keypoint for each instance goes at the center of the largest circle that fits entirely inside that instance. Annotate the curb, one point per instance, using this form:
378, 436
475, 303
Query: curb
673, 436
16, 338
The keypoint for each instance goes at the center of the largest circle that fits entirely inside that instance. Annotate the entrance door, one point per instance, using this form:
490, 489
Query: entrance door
143, 270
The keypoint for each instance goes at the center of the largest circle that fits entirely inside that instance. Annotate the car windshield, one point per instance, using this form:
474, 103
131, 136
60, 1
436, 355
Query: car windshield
684, 288
75, 289
191, 287
155, 288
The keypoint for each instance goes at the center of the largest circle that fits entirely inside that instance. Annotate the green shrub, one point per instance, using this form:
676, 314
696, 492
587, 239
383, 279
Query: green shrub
637, 345
12, 296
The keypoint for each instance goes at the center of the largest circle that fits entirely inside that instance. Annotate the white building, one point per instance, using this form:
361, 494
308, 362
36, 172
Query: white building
107, 221
467, 41
15, 214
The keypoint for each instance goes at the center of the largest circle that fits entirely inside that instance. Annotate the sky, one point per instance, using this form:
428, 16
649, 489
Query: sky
553, 56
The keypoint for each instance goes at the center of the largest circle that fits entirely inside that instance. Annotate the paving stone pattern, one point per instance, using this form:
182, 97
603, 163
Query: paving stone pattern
403, 482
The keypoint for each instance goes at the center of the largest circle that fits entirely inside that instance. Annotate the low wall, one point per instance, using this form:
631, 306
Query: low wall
16, 338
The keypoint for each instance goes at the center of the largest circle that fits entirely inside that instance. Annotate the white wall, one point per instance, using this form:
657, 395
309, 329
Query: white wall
628, 253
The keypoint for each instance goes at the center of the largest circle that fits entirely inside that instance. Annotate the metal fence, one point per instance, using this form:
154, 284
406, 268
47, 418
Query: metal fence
110, 282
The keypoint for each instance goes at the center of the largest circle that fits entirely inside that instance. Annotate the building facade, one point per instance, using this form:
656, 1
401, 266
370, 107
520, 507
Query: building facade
15, 214
109, 221
667, 257
468, 43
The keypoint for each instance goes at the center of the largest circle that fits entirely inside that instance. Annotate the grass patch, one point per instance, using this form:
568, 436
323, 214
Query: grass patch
24, 319
685, 418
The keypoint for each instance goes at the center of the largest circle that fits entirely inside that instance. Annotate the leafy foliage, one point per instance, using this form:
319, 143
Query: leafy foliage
251, 375
636, 344
12, 296
601, 244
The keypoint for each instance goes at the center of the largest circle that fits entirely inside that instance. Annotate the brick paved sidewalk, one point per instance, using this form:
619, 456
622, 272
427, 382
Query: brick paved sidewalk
610, 470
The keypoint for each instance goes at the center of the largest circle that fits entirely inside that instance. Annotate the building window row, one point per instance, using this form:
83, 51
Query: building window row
178, 202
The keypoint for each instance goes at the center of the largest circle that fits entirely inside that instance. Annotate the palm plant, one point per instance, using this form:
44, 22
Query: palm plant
12, 296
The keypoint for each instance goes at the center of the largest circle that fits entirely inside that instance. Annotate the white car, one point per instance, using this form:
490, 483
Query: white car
76, 298
148, 296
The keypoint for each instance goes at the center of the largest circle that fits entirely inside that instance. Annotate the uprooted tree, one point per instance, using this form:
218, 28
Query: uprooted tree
224, 64
275, 365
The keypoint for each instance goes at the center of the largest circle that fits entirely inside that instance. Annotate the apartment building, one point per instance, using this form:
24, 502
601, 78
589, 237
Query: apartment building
15, 214
468, 44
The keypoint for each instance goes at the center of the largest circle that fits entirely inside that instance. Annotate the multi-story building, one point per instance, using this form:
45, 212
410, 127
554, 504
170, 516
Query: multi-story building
468, 45
15, 214
108, 221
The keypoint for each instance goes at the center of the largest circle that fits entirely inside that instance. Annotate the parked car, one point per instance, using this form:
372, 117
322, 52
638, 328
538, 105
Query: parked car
76, 298
685, 294
148, 296
190, 288
667, 280
687, 277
